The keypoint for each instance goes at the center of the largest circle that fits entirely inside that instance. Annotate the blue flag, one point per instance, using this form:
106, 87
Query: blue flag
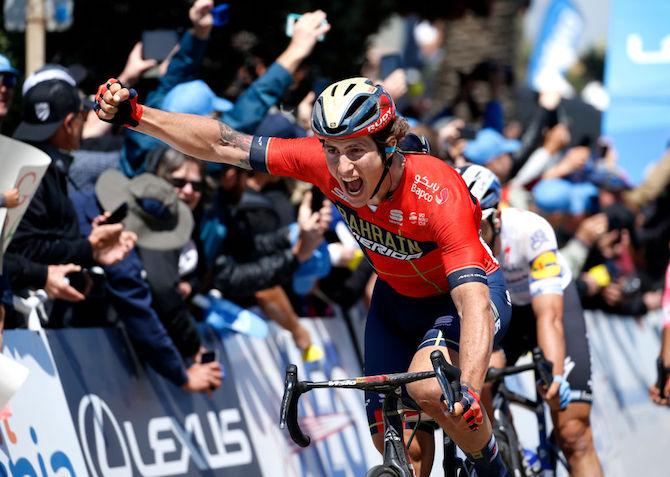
555, 47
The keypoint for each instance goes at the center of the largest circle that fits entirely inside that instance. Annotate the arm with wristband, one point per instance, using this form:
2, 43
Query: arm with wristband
197, 136
548, 310
476, 342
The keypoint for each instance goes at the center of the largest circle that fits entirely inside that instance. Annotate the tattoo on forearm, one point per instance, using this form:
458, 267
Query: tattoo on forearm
471, 386
232, 138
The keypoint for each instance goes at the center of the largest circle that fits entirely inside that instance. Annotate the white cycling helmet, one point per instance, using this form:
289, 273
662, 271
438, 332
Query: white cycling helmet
484, 185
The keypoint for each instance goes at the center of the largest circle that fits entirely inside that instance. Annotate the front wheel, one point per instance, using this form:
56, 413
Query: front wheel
382, 471
508, 446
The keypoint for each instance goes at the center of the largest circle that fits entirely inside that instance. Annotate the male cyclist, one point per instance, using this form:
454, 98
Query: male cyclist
545, 310
416, 222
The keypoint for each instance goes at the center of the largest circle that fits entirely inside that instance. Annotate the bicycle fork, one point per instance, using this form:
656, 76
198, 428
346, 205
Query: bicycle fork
395, 453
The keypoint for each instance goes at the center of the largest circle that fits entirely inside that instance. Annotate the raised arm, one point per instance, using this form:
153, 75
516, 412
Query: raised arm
200, 137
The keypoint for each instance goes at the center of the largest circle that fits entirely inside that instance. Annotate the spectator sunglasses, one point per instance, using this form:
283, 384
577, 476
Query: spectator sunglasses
8, 80
180, 183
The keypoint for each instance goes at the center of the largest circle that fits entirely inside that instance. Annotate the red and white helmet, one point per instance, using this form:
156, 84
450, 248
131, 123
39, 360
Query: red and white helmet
352, 108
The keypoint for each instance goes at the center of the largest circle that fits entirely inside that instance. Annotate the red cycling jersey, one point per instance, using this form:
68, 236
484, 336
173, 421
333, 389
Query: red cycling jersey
423, 241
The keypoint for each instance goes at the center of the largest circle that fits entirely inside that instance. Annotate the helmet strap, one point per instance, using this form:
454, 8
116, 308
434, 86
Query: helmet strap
494, 221
389, 151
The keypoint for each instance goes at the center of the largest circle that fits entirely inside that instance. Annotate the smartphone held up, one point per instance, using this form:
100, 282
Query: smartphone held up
291, 19
210, 356
157, 44
117, 215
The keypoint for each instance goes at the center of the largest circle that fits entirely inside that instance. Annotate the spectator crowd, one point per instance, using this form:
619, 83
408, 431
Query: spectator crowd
125, 231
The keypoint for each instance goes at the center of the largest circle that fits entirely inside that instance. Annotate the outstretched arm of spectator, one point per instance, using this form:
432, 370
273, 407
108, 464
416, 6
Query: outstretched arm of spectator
576, 250
543, 157
243, 279
185, 63
544, 116
252, 105
306, 32
135, 66
574, 160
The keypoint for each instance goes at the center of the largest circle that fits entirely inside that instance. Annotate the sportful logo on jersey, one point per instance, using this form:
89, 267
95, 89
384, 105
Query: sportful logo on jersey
395, 216
381, 241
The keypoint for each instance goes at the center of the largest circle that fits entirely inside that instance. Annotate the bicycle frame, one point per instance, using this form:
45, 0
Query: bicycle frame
395, 452
547, 452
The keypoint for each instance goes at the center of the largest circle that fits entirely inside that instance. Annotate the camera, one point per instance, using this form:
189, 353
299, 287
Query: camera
209, 356
90, 282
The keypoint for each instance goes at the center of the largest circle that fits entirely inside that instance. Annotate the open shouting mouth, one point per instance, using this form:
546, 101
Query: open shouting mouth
353, 186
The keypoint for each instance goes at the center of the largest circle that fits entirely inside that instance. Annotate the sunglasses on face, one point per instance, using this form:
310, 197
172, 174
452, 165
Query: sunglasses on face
180, 183
7, 80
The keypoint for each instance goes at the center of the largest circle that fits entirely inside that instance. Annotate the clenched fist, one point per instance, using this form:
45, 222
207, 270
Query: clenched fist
117, 105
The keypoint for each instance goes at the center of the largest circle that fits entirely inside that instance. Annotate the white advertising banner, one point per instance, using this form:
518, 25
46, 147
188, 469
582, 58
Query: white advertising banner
39, 437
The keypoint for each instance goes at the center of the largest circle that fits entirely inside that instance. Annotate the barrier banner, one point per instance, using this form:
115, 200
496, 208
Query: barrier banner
637, 74
132, 422
334, 418
629, 430
39, 438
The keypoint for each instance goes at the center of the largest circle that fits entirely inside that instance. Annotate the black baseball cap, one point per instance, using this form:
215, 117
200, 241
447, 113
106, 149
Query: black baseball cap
45, 106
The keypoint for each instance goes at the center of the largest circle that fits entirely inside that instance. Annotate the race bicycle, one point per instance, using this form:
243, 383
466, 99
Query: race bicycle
395, 459
509, 445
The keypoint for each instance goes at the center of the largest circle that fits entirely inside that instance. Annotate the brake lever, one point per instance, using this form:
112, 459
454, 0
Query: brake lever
288, 415
448, 377
543, 366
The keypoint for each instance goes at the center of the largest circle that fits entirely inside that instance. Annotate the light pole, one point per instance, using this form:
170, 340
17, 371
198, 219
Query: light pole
35, 35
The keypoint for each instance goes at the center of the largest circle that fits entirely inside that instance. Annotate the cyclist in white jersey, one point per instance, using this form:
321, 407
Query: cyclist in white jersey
545, 310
